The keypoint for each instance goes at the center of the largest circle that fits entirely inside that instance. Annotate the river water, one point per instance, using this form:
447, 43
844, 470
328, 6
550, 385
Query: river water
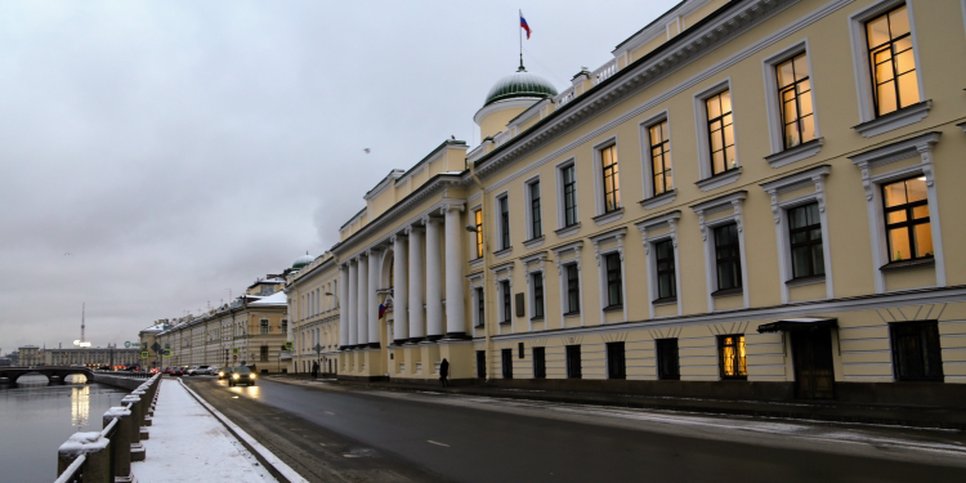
36, 418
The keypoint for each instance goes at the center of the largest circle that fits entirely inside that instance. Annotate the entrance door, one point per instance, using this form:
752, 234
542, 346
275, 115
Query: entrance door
812, 353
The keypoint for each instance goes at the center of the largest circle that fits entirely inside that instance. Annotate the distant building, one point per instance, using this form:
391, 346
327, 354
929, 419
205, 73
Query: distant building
313, 310
32, 356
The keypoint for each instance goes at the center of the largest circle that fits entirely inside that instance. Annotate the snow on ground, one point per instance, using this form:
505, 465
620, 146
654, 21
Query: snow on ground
187, 443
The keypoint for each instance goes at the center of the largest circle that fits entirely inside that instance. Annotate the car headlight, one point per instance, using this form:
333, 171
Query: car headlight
236, 376
251, 376
221, 373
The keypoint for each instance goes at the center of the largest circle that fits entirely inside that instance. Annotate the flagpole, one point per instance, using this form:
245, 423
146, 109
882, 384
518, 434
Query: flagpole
520, 35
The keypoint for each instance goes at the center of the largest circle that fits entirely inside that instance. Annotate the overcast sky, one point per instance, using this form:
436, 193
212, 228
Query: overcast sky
156, 157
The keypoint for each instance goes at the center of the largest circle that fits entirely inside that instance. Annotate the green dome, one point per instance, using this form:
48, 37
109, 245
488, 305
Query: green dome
520, 84
302, 261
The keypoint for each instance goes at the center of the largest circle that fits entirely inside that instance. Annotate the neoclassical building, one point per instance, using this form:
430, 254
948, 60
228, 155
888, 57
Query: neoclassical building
752, 199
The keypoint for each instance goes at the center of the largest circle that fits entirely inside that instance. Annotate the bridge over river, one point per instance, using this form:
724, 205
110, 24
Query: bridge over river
55, 374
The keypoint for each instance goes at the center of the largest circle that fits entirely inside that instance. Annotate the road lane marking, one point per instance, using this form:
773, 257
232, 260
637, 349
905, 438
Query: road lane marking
437, 443
329, 413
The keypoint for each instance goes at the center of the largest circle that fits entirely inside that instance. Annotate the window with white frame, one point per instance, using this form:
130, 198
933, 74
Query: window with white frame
503, 211
886, 66
536, 296
720, 221
657, 155
613, 280
479, 313
795, 103
727, 257
571, 277
478, 232
610, 178
567, 177
569, 272
659, 236
902, 203
534, 216
721, 133
665, 277
503, 291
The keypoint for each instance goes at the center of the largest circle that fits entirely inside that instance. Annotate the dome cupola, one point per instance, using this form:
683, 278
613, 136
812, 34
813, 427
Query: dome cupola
508, 98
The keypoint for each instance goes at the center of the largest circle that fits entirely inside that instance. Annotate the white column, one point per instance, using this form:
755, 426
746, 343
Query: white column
434, 285
343, 303
416, 285
362, 288
353, 306
400, 296
455, 325
373, 298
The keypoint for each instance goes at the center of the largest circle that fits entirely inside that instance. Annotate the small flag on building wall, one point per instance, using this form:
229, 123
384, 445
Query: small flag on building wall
524, 25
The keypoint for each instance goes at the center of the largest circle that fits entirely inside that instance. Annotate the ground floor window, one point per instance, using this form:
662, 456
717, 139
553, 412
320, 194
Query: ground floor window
573, 362
616, 361
539, 363
263, 353
506, 357
734, 363
668, 365
916, 354
481, 365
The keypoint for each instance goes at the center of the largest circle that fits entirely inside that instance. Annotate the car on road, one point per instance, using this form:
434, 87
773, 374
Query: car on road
199, 370
242, 375
224, 372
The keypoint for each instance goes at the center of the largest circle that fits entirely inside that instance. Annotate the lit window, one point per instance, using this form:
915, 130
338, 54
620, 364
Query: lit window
660, 146
892, 61
795, 98
478, 224
805, 238
611, 178
721, 133
907, 219
734, 364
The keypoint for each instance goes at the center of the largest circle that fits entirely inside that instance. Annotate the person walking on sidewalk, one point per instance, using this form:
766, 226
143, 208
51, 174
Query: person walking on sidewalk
315, 370
443, 372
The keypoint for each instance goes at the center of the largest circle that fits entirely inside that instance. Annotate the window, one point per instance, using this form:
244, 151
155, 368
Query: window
908, 232
733, 361
568, 194
805, 237
573, 362
891, 61
610, 177
573, 288
721, 135
263, 353
664, 266
536, 224
668, 367
504, 205
660, 149
284, 326
727, 257
481, 365
478, 225
616, 361
916, 354
612, 262
539, 363
505, 298
506, 359
536, 284
795, 99
263, 326
480, 307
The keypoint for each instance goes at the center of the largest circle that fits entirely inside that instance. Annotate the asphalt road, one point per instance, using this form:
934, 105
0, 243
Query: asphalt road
331, 433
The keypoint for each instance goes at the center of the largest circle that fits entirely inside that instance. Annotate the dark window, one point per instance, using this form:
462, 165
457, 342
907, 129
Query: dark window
734, 364
892, 61
478, 223
481, 365
721, 133
614, 289
661, 179
573, 362
916, 354
506, 358
504, 222
727, 256
573, 288
284, 326
907, 219
536, 283
805, 238
480, 307
611, 178
795, 98
616, 361
668, 365
536, 225
263, 353
569, 195
539, 363
664, 263
505, 296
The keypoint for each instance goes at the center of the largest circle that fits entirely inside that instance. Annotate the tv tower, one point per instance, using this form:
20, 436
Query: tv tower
81, 342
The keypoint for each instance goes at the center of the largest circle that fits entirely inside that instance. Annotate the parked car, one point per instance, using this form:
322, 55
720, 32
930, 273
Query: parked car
242, 375
198, 370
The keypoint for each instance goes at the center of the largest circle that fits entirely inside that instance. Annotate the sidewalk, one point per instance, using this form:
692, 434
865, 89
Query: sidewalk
189, 443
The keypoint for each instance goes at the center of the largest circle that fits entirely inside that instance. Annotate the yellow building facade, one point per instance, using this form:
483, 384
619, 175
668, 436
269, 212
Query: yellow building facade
753, 199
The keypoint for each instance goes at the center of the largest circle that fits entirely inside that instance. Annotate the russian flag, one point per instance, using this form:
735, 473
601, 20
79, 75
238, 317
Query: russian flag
524, 26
